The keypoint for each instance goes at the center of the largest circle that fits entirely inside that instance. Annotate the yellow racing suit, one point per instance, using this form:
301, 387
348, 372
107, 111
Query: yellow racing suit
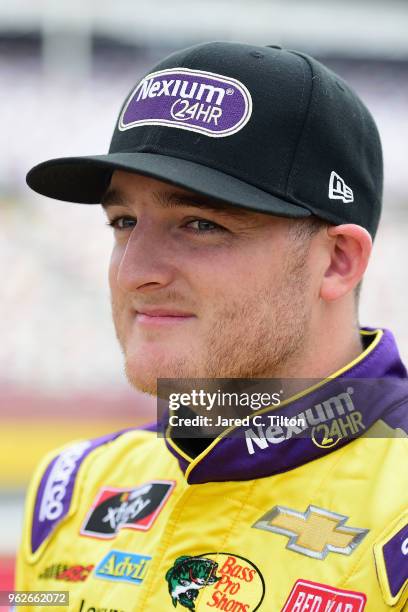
265, 521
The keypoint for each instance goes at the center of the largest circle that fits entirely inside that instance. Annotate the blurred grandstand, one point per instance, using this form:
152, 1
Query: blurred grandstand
64, 70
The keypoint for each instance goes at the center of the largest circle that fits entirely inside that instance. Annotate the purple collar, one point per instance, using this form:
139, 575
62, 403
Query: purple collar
262, 450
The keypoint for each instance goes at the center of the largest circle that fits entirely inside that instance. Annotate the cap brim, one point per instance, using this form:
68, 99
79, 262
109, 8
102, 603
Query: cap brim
85, 179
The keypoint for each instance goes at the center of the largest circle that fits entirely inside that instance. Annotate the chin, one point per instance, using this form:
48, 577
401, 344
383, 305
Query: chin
142, 372
143, 384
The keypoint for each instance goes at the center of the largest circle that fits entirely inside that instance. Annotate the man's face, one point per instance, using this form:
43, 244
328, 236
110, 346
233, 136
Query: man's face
202, 292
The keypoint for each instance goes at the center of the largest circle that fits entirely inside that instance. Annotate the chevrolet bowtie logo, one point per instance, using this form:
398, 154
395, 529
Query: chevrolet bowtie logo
314, 533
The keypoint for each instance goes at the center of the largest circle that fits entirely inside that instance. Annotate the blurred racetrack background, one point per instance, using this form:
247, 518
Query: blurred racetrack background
65, 68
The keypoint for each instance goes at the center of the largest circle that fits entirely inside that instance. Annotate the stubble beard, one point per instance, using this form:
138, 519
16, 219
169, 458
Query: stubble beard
254, 337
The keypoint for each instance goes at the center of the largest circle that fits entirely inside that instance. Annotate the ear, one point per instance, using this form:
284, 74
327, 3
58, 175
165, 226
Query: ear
349, 251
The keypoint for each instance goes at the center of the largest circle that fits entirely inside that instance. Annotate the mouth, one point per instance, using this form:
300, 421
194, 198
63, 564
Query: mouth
154, 317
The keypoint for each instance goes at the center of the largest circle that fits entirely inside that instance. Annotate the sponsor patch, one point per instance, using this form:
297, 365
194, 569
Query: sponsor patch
64, 571
326, 423
123, 566
313, 533
193, 100
391, 558
55, 491
56, 487
137, 508
223, 581
307, 596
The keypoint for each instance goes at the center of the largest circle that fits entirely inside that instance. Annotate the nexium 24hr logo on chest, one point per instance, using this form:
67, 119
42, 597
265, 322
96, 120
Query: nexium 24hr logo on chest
194, 100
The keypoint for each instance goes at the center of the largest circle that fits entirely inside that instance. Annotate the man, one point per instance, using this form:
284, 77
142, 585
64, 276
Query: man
243, 185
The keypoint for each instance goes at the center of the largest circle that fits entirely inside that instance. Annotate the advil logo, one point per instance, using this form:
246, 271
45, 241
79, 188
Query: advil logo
309, 596
123, 566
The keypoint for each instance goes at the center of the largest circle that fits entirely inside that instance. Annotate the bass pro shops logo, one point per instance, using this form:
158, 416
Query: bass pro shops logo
193, 100
325, 424
187, 576
222, 581
116, 509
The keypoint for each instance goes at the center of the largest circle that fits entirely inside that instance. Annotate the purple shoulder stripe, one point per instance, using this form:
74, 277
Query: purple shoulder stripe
397, 416
54, 493
154, 427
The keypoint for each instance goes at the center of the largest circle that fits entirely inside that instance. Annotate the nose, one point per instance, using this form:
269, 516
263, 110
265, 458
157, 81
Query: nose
144, 264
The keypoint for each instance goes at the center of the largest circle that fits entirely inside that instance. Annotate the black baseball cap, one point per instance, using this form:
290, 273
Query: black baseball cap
264, 128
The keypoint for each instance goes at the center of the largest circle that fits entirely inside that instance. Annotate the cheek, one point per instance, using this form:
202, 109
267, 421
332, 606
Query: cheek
238, 271
216, 278
116, 294
227, 281
114, 264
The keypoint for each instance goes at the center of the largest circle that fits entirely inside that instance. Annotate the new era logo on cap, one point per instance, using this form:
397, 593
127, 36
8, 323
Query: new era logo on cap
338, 190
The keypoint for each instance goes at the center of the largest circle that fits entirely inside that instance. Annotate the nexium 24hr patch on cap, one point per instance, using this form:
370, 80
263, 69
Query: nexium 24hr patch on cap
193, 100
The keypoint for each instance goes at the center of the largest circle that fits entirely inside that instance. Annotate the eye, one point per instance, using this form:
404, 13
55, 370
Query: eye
122, 223
203, 226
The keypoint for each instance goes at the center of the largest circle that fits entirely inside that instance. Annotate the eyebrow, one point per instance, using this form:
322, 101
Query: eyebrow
171, 199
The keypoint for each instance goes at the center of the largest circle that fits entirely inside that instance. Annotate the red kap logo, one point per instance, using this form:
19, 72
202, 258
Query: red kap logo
307, 596
223, 581
137, 508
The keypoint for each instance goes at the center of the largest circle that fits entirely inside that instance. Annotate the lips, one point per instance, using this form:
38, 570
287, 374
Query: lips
163, 312
162, 316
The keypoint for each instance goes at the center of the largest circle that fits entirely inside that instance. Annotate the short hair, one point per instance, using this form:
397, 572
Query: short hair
303, 229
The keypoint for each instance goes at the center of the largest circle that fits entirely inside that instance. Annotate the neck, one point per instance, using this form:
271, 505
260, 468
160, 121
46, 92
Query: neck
330, 343
332, 349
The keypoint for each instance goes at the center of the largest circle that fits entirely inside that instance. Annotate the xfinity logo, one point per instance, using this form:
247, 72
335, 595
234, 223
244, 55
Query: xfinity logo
193, 100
